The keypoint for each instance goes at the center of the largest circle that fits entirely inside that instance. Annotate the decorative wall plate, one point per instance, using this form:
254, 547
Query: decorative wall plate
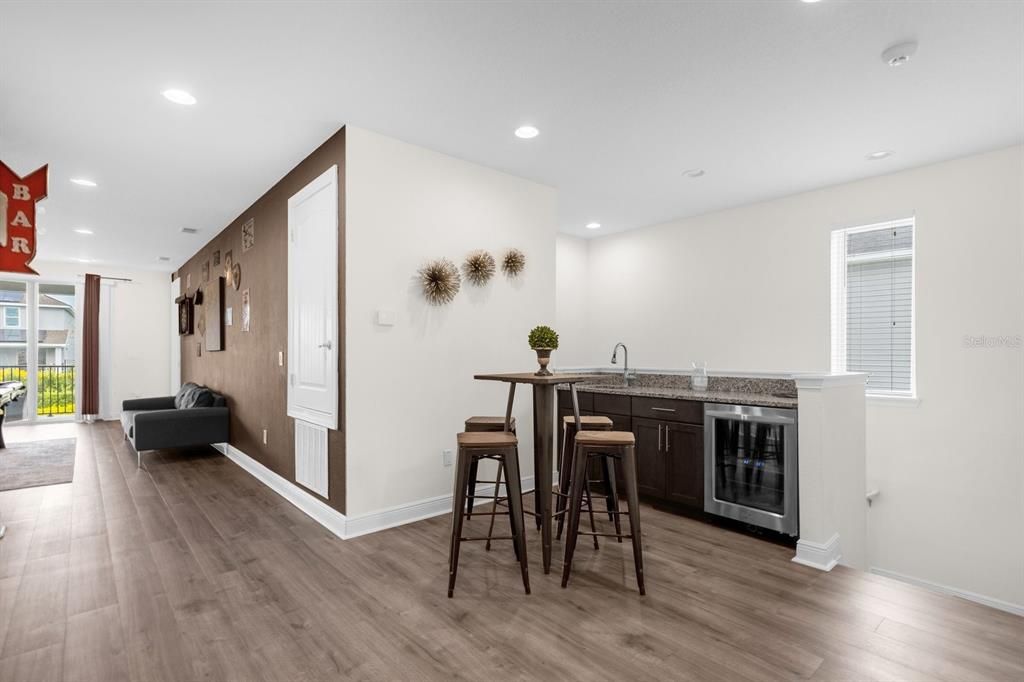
236, 275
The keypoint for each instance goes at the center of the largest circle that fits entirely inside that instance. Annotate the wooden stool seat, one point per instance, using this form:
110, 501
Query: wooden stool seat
489, 424
487, 439
590, 421
605, 438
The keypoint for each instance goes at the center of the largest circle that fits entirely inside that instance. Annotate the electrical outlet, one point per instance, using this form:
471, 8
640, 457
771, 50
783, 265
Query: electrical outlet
264, 436
446, 457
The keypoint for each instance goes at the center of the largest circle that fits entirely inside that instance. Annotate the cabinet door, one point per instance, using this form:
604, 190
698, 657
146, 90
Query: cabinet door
650, 460
684, 464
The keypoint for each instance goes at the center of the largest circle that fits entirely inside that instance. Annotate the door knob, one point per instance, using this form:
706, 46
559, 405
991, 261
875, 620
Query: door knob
325, 344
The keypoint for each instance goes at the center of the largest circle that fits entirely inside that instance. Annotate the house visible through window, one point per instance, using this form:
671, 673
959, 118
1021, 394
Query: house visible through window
12, 317
873, 305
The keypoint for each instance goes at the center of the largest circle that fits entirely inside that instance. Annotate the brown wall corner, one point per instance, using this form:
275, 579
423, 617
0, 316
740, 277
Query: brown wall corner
247, 370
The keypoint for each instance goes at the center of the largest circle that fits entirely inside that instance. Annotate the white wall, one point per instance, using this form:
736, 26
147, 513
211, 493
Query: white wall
748, 289
139, 326
571, 300
409, 387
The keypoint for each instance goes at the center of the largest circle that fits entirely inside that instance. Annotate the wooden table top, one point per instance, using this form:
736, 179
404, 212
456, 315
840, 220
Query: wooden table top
531, 378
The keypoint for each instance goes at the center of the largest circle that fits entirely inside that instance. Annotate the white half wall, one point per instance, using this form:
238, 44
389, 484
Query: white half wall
747, 289
139, 328
409, 387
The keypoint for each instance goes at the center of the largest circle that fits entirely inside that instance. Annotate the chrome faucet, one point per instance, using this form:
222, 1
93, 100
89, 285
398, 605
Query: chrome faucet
625, 361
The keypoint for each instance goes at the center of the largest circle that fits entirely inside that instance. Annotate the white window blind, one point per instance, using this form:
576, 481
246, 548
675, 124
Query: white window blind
873, 305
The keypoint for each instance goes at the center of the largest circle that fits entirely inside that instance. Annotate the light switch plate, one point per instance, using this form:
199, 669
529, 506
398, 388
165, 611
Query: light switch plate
227, 317
280, 358
386, 318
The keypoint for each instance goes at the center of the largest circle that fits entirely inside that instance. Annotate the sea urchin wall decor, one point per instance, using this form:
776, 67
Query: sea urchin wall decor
513, 262
479, 267
441, 281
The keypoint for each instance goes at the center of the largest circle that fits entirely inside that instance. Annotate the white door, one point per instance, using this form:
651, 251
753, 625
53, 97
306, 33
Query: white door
313, 302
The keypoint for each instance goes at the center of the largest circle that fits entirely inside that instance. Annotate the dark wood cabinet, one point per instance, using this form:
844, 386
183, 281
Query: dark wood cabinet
669, 442
684, 464
650, 457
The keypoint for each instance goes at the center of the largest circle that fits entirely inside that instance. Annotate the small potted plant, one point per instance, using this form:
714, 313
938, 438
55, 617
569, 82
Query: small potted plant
543, 339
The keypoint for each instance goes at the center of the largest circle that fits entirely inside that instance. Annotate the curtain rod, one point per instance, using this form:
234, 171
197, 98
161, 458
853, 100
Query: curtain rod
119, 279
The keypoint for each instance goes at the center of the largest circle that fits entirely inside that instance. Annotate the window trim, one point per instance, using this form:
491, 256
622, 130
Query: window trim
21, 317
839, 318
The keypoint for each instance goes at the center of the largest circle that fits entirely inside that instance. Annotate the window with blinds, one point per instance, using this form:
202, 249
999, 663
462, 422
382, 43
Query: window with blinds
873, 305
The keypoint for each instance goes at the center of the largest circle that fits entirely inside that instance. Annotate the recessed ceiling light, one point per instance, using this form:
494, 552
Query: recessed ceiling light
881, 154
527, 132
84, 260
693, 173
900, 54
593, 226
179, 97
810, 2
83, 230
83, 182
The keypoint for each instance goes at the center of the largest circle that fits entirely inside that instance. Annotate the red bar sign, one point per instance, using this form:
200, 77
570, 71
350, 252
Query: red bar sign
18, 197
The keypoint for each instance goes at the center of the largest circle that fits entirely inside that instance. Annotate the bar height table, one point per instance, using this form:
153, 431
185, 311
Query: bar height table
543, 436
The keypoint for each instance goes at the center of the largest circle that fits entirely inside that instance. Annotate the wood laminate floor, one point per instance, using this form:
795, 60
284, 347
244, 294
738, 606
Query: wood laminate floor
190, 569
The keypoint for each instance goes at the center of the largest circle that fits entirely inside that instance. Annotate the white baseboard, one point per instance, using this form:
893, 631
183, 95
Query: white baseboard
822, 556
1009, 607
343, 526
328, 517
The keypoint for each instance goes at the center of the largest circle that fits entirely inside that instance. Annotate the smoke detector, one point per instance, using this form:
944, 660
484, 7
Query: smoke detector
899, 54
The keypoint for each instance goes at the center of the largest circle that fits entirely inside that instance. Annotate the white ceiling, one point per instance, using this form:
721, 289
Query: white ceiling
771, 98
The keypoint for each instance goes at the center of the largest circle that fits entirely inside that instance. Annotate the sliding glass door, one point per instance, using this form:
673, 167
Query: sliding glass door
38, 347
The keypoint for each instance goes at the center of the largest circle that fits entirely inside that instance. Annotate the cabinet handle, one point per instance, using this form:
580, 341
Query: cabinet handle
666, 439
659, 437
662, 409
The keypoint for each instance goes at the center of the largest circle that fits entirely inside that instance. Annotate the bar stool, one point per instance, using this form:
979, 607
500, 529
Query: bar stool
607, 445
588, 423
484, 425
503, 447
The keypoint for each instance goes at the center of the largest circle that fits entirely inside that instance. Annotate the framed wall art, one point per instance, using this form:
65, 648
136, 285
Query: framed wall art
248, 234
186, 315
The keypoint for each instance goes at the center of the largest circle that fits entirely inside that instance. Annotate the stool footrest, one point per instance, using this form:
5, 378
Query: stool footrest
605, 535
493, 537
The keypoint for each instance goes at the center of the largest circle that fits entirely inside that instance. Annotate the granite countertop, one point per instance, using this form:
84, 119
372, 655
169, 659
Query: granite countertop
778, 393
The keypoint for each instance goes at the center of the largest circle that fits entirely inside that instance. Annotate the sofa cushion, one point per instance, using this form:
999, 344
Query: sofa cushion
191, 395
184, 394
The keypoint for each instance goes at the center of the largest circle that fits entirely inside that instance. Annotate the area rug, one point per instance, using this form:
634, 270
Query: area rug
43, 462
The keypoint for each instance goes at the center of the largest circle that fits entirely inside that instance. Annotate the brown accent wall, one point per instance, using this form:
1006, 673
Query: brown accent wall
247, 370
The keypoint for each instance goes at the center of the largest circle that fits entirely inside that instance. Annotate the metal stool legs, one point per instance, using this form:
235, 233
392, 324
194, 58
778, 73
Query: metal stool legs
509, 465
581, 457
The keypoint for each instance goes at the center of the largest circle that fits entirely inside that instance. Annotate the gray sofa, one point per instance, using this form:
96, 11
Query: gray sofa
195, 416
